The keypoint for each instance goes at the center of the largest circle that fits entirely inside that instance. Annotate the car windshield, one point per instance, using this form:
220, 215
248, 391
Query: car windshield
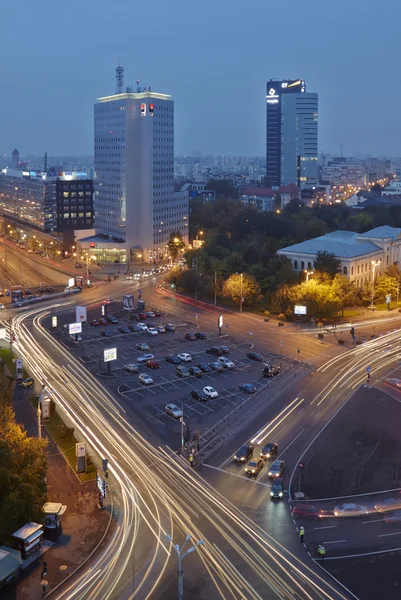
253, 463
275, 466
243, 450
276, 484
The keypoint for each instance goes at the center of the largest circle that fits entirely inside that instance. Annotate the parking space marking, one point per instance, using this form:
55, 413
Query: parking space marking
151, 416
387, 534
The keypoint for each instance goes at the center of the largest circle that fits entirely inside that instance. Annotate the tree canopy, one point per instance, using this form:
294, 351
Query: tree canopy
175, 244
326, 262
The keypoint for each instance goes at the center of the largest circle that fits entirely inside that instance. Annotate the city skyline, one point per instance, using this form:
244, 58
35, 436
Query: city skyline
218, 87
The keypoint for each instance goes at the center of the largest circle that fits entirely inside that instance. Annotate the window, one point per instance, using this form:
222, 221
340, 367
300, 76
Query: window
345, 271
357, 269
302, 265
352, 270
309, 265
296, 265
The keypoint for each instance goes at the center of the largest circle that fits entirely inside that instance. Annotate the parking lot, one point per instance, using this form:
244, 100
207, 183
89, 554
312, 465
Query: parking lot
150, 400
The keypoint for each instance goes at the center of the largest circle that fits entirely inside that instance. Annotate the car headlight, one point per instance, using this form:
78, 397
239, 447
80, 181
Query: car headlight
271, 494
242, 458
246, 469
235, 457
280, 494
253, 470
270, 473
267, 455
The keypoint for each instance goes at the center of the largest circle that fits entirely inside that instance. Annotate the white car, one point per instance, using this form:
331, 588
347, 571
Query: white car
210, 392
145, 379
153, 331
173, 411
226, 362
350, 510
142, 326
185, 357
131, 368
144, 358
1, 306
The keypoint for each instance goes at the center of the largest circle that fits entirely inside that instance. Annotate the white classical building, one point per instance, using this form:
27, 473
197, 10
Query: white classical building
356, 251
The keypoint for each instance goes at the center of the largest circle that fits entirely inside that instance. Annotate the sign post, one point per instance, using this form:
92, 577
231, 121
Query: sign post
80, 452
109, 354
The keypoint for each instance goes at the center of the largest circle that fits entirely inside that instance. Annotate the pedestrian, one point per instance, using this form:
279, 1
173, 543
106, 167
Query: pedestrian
301, 535
321, 551
191, 460
44, 587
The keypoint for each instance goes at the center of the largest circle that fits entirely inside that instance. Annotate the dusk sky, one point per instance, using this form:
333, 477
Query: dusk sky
214, 57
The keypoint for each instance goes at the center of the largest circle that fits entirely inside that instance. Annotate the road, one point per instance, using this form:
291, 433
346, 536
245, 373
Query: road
156, 491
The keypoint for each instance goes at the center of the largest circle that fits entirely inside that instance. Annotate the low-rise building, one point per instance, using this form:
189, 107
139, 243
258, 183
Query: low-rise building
355, 251
264, 198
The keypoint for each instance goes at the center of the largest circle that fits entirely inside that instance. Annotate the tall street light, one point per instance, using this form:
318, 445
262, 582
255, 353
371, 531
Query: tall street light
181, 555
374, 263
241, 299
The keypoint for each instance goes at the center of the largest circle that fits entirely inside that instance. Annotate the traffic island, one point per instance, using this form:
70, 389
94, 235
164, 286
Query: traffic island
357, 453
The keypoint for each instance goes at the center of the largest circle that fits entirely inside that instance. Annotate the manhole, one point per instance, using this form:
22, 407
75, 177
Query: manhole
63, 568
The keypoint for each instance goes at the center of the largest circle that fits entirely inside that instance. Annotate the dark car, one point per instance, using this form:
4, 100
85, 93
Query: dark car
137, 328
269, 450
276, 468
136, 317
255, 356
277, 489
307, 511
105, 333
123, 330
94, 323
215, 351
254, 467
152, 364
271, 371
174, 360
195, 371
157, 313
216, 366
244, 453
199, 396
200, 335
247, 387
131, 327
204, 367
28, 292
182, 371
224, 349
103, 321
191, 337
112, 319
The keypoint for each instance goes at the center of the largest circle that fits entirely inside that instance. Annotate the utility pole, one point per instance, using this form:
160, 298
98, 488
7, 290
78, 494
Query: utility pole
39, 414
180, 557
182, 429
215, 287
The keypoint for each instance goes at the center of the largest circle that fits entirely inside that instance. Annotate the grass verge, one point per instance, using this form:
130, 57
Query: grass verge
65, 440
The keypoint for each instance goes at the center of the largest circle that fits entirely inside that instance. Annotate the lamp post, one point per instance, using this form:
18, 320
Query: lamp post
240, 302
374, 263
181, 555
308, 273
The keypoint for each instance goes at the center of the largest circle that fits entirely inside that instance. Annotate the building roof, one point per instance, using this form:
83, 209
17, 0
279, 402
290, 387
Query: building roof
10, 561
343, 244
384, 232
392, 200
291, 188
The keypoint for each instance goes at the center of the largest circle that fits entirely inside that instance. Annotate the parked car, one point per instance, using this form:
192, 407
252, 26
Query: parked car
105, 333
131, 368
349, 509
123, 330
307, 511
103, 321
141, 327
210, 391
157, 313
142, 346
254, 467
152, 364
247, 387
216, 366
94, 323
145, 379
204, 368
269, 450
153, 331
150, 314
276, 468
173, 411
142, 315
48, 290
169, 327
185, 357
182, 371
173, 360
244, 453
200, 335
255, 356
199, 396
215, 351
195, 371
190, 337
112, 319
160, 329
271, 371
277, 489
144, 358
226, 362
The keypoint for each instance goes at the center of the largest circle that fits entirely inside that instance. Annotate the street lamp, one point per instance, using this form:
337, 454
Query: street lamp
308, 273
374, 263
180, 556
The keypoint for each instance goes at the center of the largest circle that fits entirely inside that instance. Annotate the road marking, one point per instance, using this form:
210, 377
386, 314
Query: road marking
387, 534
237, 475
373, 521
326, 527
335, 542
290, 444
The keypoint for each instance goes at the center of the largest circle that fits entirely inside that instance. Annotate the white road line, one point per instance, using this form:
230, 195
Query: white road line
295, 438
387, 534
327, 527
373, 521
237, 475
335, 542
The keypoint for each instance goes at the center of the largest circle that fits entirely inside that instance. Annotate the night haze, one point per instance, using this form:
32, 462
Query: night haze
213, 58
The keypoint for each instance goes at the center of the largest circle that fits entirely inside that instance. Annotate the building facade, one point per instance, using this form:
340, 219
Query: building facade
265, 198
135, 203
291, 134
355, 252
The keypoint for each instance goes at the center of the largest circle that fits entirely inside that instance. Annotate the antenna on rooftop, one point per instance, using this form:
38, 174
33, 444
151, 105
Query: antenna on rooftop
138, 89
341, 146
119, 79
45, 162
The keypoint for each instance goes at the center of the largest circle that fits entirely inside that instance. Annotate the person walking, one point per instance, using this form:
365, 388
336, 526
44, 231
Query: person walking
191, 460
301, 535
321, 551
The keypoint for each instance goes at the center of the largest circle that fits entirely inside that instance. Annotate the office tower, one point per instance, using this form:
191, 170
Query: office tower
135, 203
291, 134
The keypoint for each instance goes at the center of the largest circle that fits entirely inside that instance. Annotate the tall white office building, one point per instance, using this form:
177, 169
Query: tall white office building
136, 208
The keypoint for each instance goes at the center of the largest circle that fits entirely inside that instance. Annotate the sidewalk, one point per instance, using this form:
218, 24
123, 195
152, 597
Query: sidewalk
83, 524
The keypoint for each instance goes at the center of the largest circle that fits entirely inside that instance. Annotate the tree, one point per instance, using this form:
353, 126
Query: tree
22, 474
345, 291
233, 287
7, 384
277, 201
223, 187
326, 262
384, 285
175, 244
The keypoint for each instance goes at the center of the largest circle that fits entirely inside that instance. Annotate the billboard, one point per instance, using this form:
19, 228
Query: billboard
220, 321
74, 328
128, 302
299, 310
109, 354
71, 282
80, 314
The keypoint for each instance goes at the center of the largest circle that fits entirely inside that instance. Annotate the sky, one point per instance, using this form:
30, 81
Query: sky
214, 57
